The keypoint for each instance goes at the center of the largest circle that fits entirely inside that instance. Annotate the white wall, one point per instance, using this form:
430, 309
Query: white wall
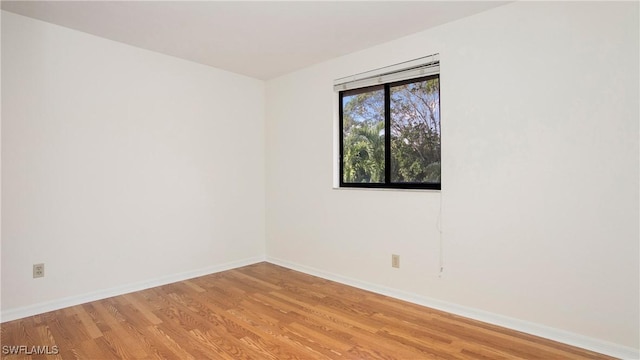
121, 166
0, 169
540, 172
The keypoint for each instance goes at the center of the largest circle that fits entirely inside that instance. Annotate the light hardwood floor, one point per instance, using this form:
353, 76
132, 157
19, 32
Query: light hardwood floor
264, 311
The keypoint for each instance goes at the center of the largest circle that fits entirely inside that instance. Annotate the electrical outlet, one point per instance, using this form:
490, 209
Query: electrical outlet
395, 261
38, 270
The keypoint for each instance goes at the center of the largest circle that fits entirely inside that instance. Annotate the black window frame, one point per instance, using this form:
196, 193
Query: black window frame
387, 141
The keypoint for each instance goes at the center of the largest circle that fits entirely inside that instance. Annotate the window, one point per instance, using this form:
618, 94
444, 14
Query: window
390, 134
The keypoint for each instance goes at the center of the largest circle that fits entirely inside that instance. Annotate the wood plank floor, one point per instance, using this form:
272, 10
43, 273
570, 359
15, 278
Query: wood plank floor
264, 311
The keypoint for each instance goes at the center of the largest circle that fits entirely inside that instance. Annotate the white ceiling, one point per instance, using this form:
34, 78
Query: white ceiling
261, 39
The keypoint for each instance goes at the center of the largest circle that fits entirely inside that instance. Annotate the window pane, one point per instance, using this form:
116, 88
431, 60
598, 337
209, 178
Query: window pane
363, 136
415, 132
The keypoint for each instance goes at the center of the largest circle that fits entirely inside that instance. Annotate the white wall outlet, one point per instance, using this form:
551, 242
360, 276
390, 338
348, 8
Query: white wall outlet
38, 270
395, 261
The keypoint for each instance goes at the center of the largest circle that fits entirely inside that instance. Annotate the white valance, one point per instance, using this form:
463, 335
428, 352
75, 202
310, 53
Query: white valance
424, 66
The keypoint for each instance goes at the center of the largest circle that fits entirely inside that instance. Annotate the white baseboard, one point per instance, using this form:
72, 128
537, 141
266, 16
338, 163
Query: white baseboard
581, 341
22, 312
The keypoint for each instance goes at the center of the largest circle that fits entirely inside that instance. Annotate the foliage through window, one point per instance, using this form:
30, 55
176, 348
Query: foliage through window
390, 135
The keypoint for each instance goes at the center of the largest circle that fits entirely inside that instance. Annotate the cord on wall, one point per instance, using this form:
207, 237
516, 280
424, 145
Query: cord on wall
441, 243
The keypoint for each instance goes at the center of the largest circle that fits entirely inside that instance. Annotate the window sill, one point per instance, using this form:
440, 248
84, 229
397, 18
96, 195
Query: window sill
384, 189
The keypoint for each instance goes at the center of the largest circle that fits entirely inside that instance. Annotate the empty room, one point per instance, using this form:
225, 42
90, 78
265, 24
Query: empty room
320, 180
